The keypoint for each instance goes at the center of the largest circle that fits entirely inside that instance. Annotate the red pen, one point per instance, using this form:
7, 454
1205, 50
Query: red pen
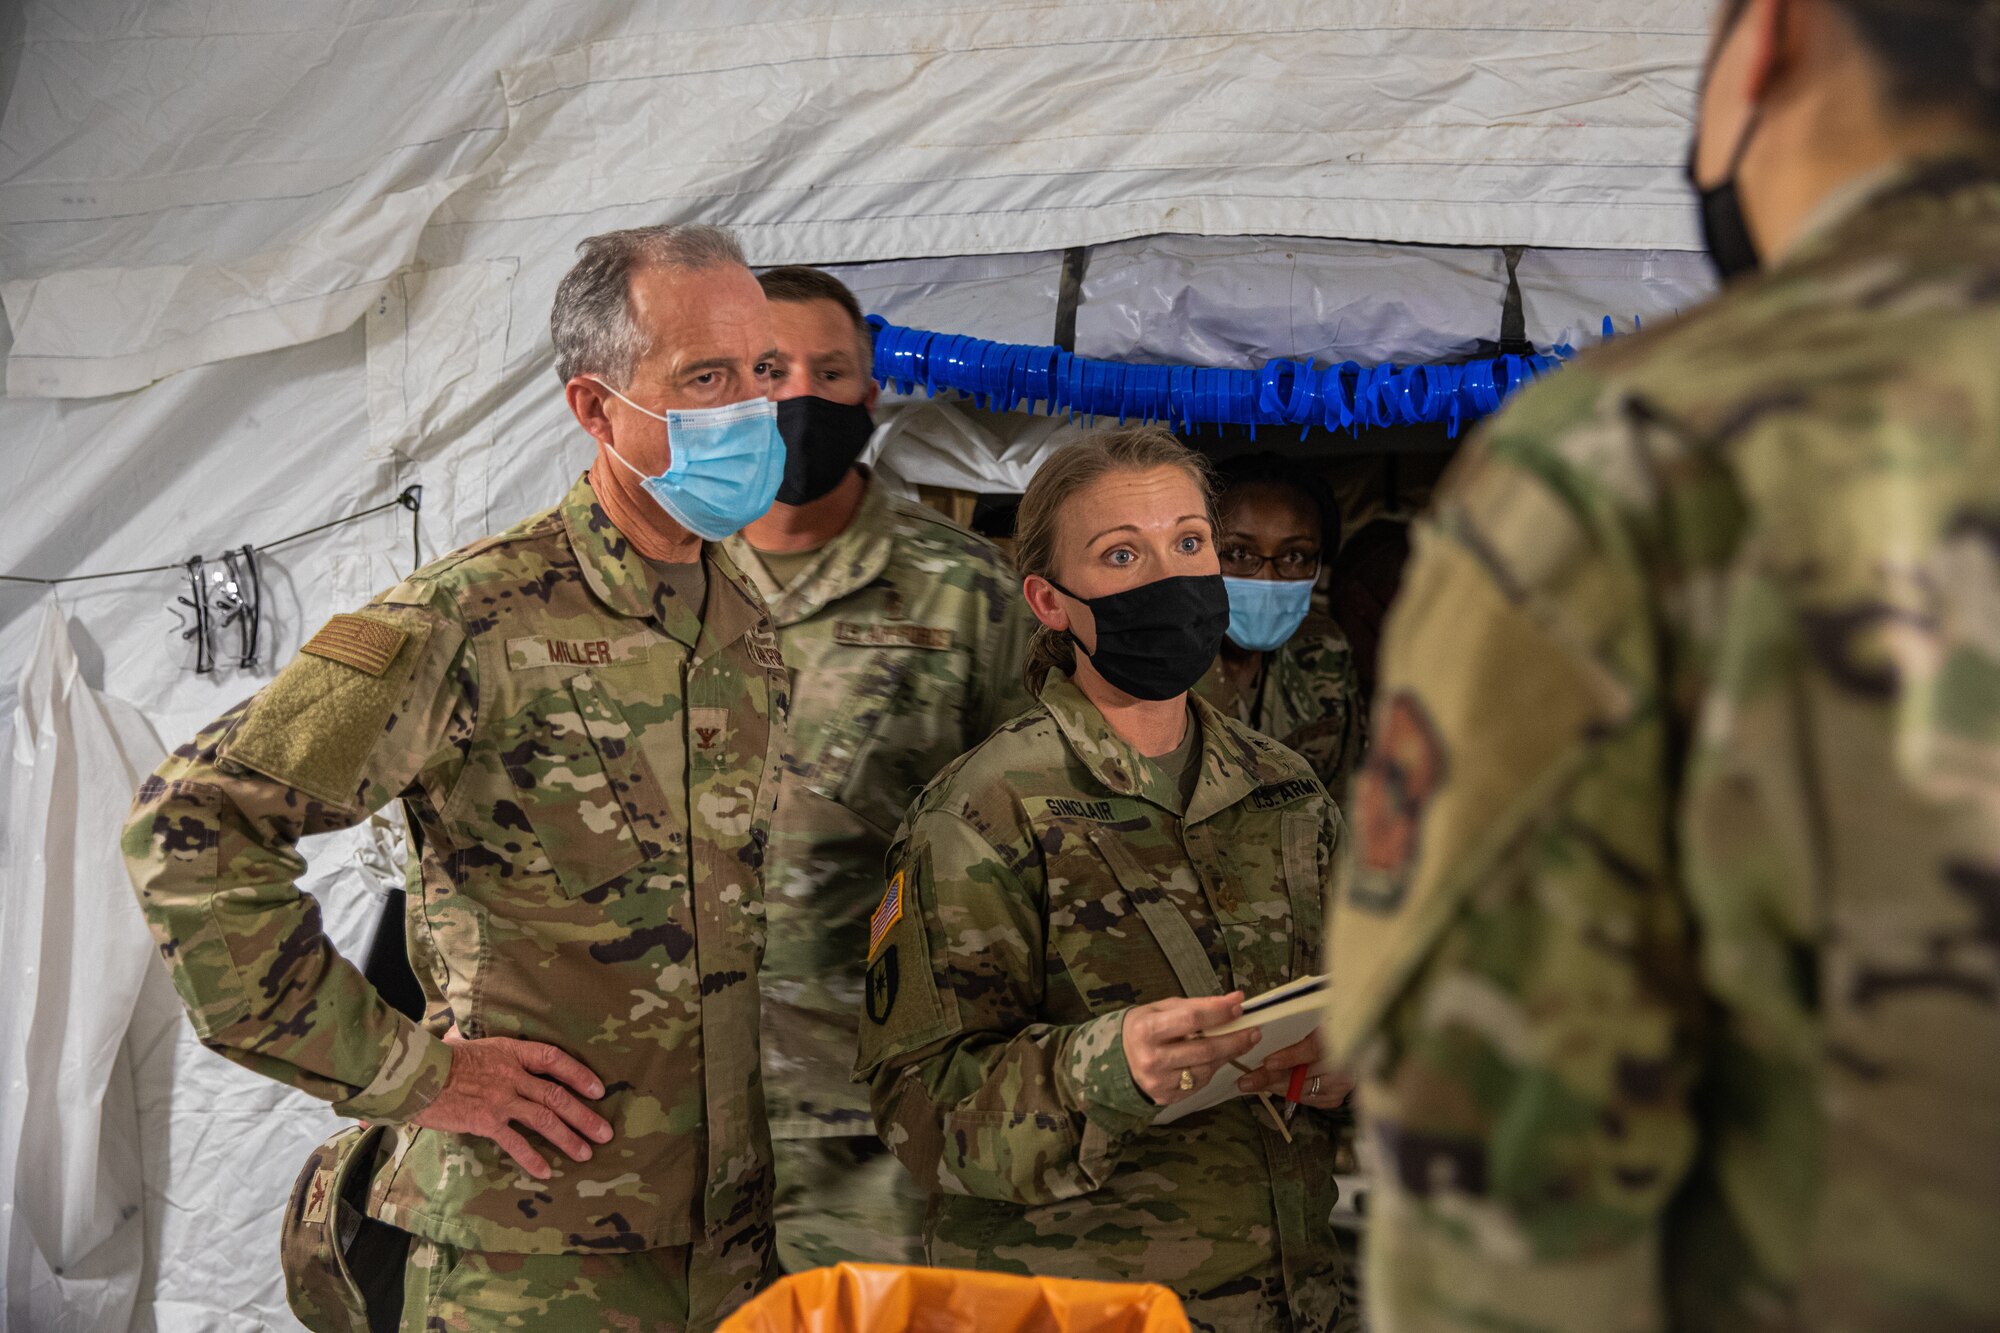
1294, 1090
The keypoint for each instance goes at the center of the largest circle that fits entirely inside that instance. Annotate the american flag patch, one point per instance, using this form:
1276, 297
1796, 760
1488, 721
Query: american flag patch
887, 915
357, 641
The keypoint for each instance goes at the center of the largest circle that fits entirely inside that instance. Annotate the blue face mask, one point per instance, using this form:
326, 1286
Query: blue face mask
726, 466
1263, 613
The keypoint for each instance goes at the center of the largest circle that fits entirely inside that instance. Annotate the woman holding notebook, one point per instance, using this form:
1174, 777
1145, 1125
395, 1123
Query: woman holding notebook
1075, 902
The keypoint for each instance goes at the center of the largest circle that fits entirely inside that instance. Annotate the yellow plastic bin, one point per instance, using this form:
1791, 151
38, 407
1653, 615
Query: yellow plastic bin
882, 1298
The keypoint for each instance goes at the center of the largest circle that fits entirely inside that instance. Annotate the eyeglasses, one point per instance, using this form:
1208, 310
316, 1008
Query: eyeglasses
1239, 563
219, 598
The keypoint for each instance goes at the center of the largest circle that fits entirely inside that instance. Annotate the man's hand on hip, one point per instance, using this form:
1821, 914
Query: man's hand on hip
498, 1082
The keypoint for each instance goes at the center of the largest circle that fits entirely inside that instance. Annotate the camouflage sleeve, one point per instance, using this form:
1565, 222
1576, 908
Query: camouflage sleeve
1335, 848
1508, 947
1334, 737
1003, 691
374, 701
1354, 745
971, 1089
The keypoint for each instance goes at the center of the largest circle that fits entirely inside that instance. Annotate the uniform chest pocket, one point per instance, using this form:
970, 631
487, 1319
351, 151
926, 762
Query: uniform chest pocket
588, 793
1124, 935
1262, 876
897, 720
1271, 895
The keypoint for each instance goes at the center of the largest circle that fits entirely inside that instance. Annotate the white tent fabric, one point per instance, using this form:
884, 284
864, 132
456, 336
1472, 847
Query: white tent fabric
133, 248
265, 264
71, 1227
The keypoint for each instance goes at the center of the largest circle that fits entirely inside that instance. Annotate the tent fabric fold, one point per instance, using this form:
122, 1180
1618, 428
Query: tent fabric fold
74, 956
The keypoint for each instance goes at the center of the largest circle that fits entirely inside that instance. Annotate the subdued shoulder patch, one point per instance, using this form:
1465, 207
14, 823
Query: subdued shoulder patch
358, 641
1269, 762
884, 984
1406, 766
764, 650
887, 914
856, 634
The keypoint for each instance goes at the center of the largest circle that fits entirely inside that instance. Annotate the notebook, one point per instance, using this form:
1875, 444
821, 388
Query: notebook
1281, 1016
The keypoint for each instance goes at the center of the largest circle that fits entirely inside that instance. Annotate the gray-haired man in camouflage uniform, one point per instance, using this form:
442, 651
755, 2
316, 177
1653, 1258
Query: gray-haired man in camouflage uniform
1674, 942
581, 715
904, 636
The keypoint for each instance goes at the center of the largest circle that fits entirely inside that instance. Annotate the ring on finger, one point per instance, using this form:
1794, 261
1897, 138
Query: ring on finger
1313, 1089
1187, 1080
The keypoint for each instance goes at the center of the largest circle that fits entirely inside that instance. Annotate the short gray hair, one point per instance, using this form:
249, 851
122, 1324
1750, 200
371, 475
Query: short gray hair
591, 323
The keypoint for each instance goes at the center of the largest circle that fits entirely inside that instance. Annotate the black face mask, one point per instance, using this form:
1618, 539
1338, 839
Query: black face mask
822, 440
1156, 640
1724, 233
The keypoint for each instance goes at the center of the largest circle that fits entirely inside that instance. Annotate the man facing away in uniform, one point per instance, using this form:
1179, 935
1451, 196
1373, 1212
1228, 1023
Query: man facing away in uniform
904, 637
1674, 942
580, 714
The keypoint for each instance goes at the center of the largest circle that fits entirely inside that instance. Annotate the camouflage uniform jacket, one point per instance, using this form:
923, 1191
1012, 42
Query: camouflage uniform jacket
593, 767
904, 641
1041, 887
1308, 700
1676, 916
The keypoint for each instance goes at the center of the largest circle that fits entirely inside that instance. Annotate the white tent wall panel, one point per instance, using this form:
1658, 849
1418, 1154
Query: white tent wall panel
1565, 294
443, 332
1239, 301
1008, 298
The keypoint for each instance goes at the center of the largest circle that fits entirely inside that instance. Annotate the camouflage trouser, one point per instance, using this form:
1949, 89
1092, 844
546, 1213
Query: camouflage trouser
673, 1289
845, 1200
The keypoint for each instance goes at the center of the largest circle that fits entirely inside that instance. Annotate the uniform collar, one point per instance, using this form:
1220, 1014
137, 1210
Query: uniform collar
1969, 164
1287, 690
625, 583
1231, 768
853, 559
1216, 687
1278, 679
734, 607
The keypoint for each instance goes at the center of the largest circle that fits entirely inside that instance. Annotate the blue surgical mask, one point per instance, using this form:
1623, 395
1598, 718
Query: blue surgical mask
726, 466
1263, 613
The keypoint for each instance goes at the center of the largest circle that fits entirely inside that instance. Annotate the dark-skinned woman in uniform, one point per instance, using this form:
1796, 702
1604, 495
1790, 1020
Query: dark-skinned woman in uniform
1285, 669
